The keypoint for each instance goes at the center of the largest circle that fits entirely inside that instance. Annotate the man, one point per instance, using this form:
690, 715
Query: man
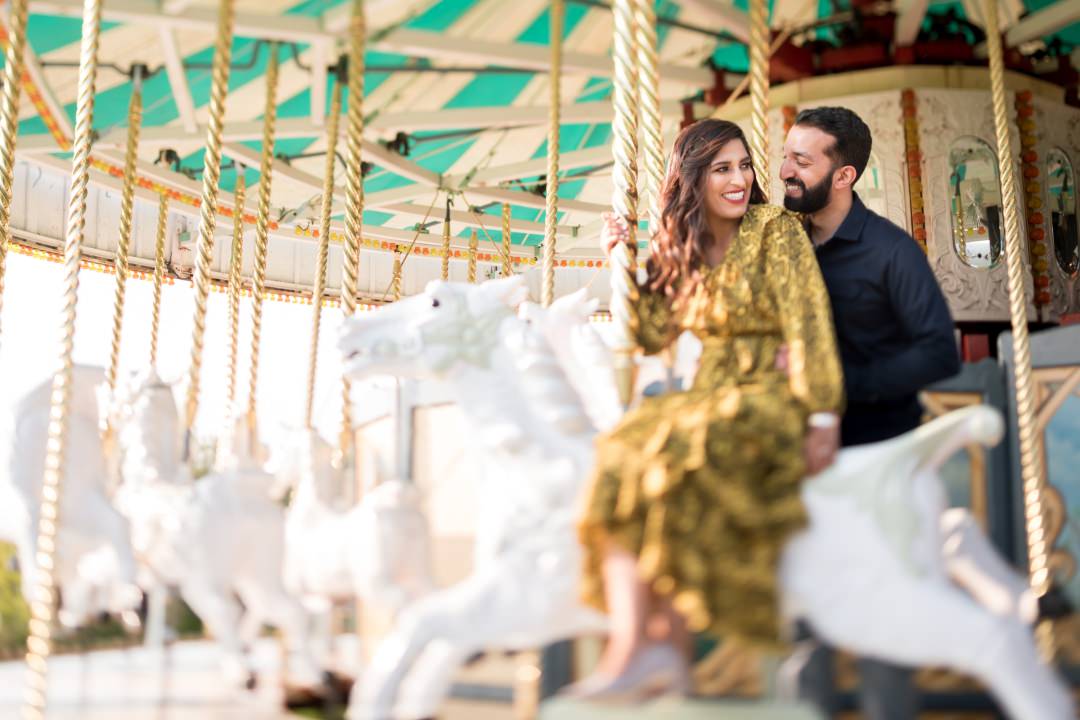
893, 328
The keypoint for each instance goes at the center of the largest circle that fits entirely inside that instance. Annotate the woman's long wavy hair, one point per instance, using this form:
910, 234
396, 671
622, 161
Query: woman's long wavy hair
677, 255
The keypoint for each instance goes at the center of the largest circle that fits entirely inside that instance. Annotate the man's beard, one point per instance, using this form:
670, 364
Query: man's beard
812, 199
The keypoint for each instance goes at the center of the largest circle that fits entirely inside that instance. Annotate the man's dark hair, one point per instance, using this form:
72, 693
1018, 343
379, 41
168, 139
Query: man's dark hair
853, 141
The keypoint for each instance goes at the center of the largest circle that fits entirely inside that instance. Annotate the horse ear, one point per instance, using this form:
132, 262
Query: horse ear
577, 303
509, 291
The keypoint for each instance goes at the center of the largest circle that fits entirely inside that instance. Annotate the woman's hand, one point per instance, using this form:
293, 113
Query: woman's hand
614, 231
821, 443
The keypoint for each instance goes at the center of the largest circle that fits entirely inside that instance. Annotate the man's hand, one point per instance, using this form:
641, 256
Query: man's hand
820, 447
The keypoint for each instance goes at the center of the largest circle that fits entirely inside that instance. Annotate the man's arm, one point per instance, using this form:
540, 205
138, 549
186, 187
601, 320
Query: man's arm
921, 310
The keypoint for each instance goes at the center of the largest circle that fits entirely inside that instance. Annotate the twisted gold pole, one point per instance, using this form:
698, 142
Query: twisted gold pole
395, 283
625, 196
324, 248
262, 226
208, 208
473, 243
507, 262
127, 202
9, 123
159, 276
42, 604
1031, 460
354, 196
759, 91
446, 242
551, 217
652, 143
236, 265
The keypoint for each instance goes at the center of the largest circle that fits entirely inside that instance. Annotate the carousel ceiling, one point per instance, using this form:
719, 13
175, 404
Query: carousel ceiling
455, 90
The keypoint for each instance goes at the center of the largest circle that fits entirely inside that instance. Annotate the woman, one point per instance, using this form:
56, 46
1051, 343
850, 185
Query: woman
695, 493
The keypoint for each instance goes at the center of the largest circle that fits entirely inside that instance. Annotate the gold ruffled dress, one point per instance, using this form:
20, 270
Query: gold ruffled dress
703, 485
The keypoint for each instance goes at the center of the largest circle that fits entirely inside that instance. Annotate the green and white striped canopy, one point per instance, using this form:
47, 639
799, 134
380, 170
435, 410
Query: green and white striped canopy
462, 85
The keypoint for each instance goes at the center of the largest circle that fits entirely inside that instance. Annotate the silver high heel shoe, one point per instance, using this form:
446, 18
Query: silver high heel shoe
654, 671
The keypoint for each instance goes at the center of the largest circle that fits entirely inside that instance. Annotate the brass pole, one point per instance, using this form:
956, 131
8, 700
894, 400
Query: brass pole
507, 262
324, 248
42, 604
354, 196
219, 89
159, 276
1032, 469
625, 196
471, 257
652, 144
395, 285
127, 202
446, 242
262, 222
236, 265
759, 91
9, 122
552, 215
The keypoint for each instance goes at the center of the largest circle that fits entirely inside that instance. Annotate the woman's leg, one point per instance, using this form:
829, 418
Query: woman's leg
669, 626
627, 602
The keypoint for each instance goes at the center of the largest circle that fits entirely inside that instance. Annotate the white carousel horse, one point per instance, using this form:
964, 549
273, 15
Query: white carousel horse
95, 567
522, 592
219, 539
948, 597
882, 570
377, 550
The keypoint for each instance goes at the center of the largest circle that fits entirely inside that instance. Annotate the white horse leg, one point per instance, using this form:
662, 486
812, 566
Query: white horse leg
157, 599
124, 592
518, 602
221, 615
251, 623
1027, 687
454, 610
974, 564
428, 682
289, 616
938, 624
321, 634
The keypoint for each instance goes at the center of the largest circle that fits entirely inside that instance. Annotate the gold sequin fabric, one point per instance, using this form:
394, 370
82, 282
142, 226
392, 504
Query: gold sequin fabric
703, 485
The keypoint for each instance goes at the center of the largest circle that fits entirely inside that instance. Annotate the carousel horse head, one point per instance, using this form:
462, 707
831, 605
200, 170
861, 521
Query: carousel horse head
431, 334
303, 451
142, 412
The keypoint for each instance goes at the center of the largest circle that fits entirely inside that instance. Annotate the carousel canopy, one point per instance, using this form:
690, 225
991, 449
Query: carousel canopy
457, 90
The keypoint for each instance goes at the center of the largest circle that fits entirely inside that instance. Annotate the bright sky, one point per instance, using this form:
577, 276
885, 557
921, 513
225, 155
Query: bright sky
30, 341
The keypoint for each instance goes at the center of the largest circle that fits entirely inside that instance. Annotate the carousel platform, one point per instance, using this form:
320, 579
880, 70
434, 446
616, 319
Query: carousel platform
671, 709
131, 684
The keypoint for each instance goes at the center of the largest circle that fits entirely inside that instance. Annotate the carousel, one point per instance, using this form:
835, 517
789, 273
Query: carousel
248, 471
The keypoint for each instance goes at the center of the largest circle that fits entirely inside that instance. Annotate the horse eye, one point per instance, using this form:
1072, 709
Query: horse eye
435, 302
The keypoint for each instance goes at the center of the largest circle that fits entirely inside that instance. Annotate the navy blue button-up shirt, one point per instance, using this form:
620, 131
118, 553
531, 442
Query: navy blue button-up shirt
893, 327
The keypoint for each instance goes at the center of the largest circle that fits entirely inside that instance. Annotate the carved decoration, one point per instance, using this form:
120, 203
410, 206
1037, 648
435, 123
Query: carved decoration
979, 294
1058, 127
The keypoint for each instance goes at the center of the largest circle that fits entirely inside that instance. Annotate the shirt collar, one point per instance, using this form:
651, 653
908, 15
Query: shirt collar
852, 227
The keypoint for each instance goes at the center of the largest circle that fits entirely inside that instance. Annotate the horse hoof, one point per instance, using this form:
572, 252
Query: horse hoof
337, 686
298, 698
252, 681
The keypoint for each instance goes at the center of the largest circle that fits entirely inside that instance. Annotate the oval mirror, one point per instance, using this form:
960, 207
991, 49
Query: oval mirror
975, 202
1061, 192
